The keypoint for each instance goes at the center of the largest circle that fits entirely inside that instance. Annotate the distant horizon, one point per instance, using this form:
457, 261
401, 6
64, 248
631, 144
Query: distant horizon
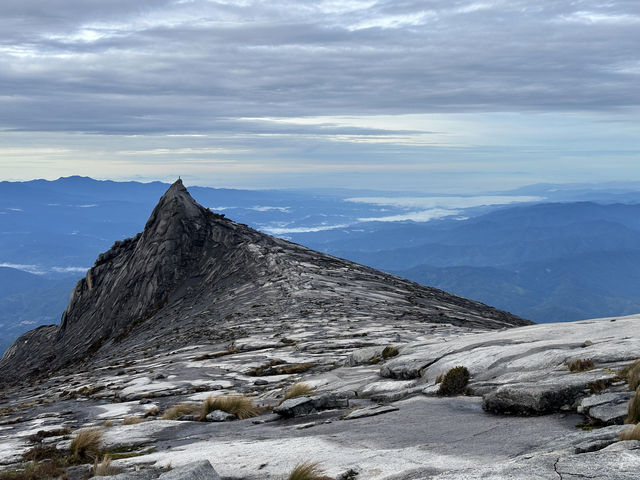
602, 185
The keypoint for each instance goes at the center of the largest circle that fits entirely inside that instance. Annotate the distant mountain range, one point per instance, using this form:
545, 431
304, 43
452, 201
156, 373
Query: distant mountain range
564, 253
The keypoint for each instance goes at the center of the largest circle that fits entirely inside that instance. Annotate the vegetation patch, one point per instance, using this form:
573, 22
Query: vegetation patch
104, 468
86, 445
180, 410
298, 390
42, 434
630, 433
389, 351
307, 471
631, 374
132, 420
580, 365
34, 471
633, 414
454, 382
238, 405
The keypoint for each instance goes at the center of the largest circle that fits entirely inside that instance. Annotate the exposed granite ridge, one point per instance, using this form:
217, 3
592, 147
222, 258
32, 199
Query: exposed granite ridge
194, 270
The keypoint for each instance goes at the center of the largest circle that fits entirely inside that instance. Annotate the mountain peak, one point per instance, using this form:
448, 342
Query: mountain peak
195, 272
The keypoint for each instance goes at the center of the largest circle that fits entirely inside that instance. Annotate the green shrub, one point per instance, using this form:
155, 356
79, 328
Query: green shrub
454, 382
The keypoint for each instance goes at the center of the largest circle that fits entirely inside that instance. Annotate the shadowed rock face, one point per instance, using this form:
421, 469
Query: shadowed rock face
191, 272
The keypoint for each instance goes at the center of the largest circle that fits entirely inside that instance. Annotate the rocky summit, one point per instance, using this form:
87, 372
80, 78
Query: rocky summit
203, 349
193, 276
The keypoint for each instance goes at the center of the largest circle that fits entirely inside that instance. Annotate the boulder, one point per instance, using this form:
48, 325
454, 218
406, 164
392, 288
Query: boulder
220, 416
300, 406
532, 399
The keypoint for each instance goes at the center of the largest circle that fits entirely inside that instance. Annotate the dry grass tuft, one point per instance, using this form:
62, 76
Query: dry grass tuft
34, 471
108, 423
299, 390
132, 420
239, 405
86, 445
632, 375
104, 468
630, 433
633, 415
307, 471
580, 365
152, 412
454, 382
180, 410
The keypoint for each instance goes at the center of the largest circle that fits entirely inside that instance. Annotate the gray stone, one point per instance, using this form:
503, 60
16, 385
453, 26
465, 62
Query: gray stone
365, 355
78, 472
370, 412
532, 399
609, 413
300, 406
201, 470
260, 382
220, 416
187, 418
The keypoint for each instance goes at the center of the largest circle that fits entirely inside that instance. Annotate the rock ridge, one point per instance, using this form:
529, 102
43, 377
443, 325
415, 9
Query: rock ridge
191, 271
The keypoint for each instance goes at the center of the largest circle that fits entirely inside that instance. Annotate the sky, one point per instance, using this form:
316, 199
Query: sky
433, 95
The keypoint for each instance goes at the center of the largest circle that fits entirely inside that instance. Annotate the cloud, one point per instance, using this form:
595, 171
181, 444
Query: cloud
168, 66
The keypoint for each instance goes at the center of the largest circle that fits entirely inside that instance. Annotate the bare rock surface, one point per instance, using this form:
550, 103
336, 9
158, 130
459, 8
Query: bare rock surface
257, 315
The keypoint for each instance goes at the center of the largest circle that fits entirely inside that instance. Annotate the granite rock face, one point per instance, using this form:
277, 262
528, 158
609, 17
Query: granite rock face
193, 272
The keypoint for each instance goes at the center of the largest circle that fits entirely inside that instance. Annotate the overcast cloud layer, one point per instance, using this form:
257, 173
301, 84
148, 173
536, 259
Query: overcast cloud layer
282, 88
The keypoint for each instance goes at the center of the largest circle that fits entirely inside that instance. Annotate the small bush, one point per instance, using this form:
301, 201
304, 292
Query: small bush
299, 390
580, 365
42, 452
307, 471
630, 433
86, 445
108, 423
633, 415
104, 468
238, 405
180, 410
132, 420
454, 382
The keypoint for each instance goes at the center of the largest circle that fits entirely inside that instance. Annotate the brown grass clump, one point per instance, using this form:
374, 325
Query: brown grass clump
580, 365
238, 405
632, 375
633, 415
38, 437
630, 433
389, 351
152, 412
299, 390
108, 423
34, 471
178, 411
307, 471
132, 420
454, 382
86, 445
104, 468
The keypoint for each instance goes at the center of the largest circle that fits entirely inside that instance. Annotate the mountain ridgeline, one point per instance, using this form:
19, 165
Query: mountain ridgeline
191, 273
